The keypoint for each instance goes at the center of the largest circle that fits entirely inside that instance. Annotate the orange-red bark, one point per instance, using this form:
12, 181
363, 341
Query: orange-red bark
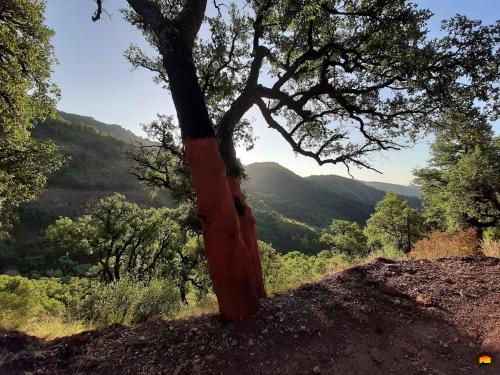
247, 228
229, 237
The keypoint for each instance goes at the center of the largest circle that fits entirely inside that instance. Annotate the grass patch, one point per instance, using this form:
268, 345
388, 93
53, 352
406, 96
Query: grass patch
446, 244
48, 327
53, 327
208, 307
387, 253
491, 248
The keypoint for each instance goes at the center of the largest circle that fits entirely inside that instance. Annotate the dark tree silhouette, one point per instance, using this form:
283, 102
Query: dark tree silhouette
337, 79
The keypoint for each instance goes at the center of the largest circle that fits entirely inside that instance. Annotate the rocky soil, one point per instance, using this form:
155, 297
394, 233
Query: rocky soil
407, 317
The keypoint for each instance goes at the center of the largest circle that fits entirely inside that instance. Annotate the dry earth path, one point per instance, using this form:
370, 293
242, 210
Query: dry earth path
406, 317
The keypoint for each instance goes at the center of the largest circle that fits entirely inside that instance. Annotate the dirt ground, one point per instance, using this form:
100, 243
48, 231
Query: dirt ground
407, 317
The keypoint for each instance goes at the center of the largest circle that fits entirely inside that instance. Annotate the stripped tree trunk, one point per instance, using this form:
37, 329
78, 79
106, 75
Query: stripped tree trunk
228, 231
227, 222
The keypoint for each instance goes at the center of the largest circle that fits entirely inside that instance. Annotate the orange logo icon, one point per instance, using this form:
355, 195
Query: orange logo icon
485, 359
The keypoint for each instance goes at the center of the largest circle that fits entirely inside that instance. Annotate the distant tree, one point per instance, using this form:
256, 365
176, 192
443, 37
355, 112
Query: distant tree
346, 237
337, 80
26, 97
123, 240
121, 237
461, 183
395, 224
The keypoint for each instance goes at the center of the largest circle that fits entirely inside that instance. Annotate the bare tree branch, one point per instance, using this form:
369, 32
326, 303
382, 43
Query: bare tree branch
98, 12
296, 146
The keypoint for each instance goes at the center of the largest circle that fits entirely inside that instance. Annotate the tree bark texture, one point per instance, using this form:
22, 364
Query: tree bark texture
227, 222
228, 231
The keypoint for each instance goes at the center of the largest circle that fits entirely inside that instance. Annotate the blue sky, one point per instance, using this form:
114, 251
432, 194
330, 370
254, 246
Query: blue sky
96, 80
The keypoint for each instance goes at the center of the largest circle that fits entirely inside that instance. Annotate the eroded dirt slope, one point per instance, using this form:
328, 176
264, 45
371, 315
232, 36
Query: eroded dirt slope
408, 317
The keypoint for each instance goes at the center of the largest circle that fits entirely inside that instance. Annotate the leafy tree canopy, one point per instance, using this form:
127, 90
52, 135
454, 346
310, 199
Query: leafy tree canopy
346, 237
26, 96
24, 168
461, 183
395, 224
120, 239
26, 93
338, 79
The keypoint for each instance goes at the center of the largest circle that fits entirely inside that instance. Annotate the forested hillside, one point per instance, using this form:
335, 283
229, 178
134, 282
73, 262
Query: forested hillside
290, 210
111, 129
96, 165
363, 191
300, 199
314, 200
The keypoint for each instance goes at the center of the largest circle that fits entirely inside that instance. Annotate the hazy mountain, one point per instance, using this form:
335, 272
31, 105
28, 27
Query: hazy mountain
411, 190
302, 199
347, 187
360, 190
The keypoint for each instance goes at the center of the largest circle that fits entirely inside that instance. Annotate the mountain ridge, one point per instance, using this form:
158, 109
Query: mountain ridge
405, 190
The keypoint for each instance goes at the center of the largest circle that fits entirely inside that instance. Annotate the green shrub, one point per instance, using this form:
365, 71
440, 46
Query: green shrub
289, 271
22, 299
492, 234
387, 252
127, 301
160, 297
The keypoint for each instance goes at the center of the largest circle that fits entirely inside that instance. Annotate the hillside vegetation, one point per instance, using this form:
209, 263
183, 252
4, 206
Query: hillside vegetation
290, 210
301, 199
314, 200
96, 166
110, 129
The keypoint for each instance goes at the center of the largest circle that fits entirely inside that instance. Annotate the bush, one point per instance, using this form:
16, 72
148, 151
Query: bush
446, 244
387, 253
289, 271
22, 299
127, 301
491, 248
45, 305
492, 233
160, 297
